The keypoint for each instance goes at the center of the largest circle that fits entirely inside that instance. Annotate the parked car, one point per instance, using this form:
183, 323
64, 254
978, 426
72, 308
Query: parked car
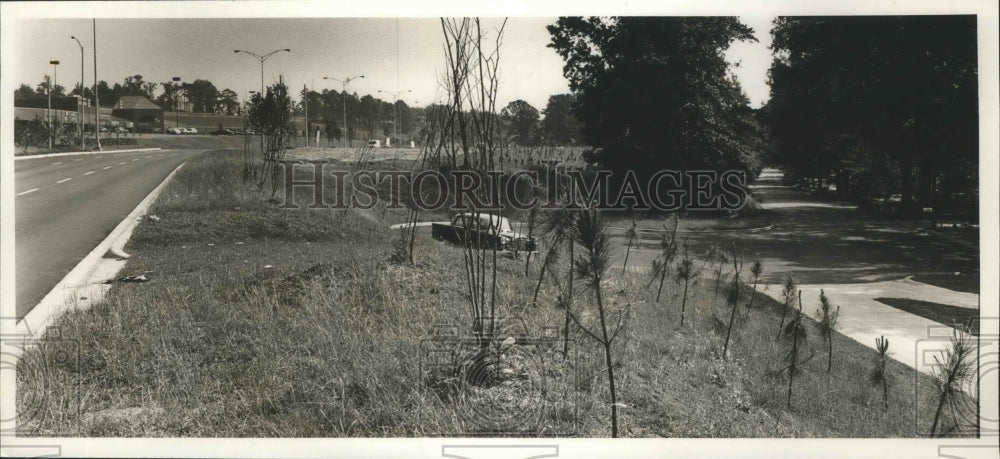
190, 130
175, 131
374, 144
483, 230
222, 131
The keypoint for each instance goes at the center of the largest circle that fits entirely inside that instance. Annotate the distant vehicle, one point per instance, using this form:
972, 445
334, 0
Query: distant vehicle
374, 144
190, 130
483, 230
222, 131
175, 131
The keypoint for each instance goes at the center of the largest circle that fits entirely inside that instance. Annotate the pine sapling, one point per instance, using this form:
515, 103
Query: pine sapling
732, 299
630, 234
756, 269
952, 372
879, 375
787, 298
590, 234
827, 323
795, 334
721, 260
661, 264
685, 273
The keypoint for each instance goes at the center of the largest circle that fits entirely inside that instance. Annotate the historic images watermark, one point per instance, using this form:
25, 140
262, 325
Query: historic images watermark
663, 190
47, 373
508, 382
962, 414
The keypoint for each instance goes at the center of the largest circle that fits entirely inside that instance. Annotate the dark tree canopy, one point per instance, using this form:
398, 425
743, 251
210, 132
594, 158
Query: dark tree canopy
560, 125
202, 94
850, 93
523, 119
656, 92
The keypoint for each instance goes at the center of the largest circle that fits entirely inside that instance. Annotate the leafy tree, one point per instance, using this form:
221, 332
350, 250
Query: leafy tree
560, 126
24, 91
202, 94
45, 85
228, 102
523, 119
170, 97
655, 92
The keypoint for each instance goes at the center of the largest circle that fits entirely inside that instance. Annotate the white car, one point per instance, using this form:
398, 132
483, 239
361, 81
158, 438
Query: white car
175, 131
190, 130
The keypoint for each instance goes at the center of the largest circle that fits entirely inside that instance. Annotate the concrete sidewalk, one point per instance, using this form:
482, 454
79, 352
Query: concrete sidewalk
863, 319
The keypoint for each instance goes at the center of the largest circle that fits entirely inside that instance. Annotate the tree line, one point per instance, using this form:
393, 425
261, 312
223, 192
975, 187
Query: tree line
879, 106
884, 105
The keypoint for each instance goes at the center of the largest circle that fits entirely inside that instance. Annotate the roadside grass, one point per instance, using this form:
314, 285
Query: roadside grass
953, 316
265, 322
961, 282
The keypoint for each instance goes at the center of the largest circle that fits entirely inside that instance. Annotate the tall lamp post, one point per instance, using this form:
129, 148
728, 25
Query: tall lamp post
52, 85
83, 113
395, 110
261, 58
344, 84
177, 117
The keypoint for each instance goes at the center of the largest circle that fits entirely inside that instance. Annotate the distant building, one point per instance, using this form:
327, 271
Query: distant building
142, 112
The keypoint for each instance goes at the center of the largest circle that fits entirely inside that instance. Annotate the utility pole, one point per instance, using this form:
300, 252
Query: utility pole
97, 99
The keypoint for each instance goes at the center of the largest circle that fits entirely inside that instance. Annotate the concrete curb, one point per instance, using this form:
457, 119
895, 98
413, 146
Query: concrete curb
84, 284
728, 230
56, 155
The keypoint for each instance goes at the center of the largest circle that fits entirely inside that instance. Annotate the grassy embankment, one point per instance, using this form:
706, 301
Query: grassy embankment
268, 322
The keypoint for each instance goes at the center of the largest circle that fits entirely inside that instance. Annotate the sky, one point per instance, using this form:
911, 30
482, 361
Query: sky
396, 55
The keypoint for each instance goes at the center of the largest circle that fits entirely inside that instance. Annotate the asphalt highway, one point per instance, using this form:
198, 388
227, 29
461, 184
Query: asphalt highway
66, 205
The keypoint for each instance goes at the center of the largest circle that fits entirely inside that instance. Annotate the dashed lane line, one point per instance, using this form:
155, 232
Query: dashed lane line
107, 167
88, 172
27, 191
64, 180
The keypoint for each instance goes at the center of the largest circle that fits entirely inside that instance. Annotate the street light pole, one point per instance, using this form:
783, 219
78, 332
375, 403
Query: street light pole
395, 110
177, 117
261, 59
97, 98
344, 84
83, 142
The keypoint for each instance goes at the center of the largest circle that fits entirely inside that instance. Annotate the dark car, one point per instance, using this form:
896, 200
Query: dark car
222, 131
483, 230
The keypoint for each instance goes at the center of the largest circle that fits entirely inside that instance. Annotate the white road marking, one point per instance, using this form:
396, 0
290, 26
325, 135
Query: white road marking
134, 160
81, 159
64, 180
88, 173
123, 162
107, 167
26, 192
57, 163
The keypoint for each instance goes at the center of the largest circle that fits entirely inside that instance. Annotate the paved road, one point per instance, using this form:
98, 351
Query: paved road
826, 242
66, 205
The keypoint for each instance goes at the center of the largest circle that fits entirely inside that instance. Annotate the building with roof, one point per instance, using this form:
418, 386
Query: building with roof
142, 112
